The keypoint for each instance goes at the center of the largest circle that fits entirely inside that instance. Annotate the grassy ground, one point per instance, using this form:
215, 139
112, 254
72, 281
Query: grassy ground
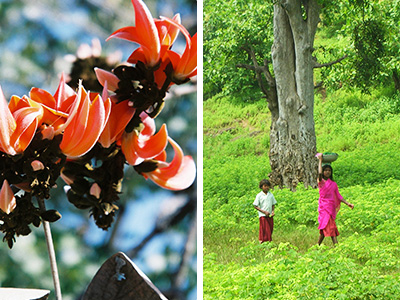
365, 131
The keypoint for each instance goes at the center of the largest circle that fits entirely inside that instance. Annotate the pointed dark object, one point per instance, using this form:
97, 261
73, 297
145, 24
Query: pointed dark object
23, 294
120, 279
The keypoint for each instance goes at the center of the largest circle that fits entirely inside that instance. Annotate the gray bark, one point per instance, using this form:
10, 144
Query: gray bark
292, 137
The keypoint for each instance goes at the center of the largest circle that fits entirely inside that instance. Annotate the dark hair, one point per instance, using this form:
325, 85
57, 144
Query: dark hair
327, 166
264, 181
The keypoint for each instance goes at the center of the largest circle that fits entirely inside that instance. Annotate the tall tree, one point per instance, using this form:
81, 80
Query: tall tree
288, 86
290, 92
282, 59
293, 143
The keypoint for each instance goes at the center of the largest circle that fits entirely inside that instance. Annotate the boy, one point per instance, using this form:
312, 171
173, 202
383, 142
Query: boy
265, 204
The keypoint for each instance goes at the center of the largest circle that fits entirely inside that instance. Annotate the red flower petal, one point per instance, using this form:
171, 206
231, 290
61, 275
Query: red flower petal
104, 76
138, 148
7, 126
83, 131
179, 174
144, 33
120, 116
7, 199
27, 123
153, 146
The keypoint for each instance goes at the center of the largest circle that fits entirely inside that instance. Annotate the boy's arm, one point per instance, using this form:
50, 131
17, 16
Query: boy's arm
261, 210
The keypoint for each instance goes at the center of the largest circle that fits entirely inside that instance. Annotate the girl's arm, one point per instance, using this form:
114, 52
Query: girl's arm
348, 203
273, 211
319, 155
338, 196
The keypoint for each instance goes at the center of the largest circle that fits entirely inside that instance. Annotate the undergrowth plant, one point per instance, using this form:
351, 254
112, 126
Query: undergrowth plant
365, 132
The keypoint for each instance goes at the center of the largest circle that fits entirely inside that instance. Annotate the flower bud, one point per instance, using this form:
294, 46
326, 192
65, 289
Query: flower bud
95, 190
37, 165
47, 132
7, 199
51, 215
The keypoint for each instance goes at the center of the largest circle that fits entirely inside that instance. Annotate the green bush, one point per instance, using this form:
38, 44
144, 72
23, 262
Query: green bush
365, 132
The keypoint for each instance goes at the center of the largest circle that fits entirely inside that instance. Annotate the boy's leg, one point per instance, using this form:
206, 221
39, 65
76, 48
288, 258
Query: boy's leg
262, 230
270, 221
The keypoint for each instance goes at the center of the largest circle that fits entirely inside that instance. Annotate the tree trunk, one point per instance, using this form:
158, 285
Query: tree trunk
396, 79
292, 137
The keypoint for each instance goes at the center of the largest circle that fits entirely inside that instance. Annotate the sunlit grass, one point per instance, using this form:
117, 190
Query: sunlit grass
366, 134
226, 247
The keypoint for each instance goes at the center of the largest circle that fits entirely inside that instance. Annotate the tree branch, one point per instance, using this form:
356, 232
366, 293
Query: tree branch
313, 9
268, 89
318, 65
51, 252
248, 67
259, 70
318, 85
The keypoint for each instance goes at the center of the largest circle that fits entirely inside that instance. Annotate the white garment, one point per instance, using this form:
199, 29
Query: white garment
265, 202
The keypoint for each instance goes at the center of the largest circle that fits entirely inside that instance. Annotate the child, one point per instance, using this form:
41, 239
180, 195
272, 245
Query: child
328, 203
265, 204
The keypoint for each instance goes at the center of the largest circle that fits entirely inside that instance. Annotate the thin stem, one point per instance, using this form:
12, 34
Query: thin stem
52, 254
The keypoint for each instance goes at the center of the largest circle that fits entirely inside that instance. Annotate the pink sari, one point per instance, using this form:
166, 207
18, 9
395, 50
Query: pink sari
328, 203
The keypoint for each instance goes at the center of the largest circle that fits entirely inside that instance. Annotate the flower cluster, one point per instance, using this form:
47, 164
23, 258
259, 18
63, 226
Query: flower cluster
87, 138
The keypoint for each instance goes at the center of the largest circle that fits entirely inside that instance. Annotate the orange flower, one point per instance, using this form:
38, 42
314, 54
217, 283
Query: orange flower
154, 36
85, 123
18, 124
56, 107
185, 65
144, 145
95, 190
121, 114
107, 79
144, 33
179, 174
37, 165
80, 117
168, 31
7, 199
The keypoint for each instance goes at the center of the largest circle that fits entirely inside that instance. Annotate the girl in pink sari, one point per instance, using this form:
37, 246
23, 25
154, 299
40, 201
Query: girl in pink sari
328, 203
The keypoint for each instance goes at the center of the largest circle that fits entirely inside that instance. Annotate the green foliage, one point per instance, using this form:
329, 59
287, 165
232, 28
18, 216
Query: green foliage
237, 24
363, 265
320, 273
369, 39
343, 116
364, 130
366, 32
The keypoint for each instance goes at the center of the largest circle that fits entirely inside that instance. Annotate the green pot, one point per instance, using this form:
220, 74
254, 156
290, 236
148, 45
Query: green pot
329, 157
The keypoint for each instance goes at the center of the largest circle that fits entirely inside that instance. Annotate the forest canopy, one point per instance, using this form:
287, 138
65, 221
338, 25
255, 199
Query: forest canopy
365, 32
